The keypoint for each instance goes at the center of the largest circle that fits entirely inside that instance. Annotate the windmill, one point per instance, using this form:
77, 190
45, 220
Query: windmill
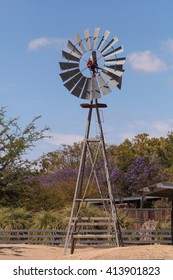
89, 70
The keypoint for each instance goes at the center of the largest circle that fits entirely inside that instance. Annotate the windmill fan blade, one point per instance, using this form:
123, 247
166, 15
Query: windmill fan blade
96, 35
78, 88
115, 72
69, 56
67, 75
117, 67
114, 52
115, 80
120, 83
79, 41
103, 85
116, 61
95, 89
109, 45
87, 89
103, 39
68, 65
87, 38
72, 82
73, 49
110, 78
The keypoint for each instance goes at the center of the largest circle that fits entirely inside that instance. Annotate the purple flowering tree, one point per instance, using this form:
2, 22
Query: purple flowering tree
54, 178
118, 182
143, 172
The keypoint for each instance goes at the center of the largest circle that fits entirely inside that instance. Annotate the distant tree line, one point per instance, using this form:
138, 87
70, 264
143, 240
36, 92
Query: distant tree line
48, 183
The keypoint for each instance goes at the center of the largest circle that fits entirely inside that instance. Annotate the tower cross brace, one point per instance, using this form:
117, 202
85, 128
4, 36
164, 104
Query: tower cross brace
82, 187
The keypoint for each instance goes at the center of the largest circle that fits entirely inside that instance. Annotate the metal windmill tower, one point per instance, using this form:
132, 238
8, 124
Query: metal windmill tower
90, 69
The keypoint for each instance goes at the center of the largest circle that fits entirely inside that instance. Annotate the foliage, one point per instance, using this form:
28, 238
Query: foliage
66, 157
142, 173
17, 218
162, 203
118, 182
126, 222
45, 220
133, 164
122, 155
166, 150
163, 224
55, 177
14, 168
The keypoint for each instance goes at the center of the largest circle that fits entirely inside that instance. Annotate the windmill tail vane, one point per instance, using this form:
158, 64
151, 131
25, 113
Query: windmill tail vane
91, 67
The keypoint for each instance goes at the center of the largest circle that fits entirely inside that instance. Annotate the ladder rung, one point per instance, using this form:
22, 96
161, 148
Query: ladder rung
93, 236
93, 224
92, 199
92, 219
94, 141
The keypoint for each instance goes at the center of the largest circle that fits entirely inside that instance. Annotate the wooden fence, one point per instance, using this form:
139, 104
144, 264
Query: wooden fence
91, 237
97, 235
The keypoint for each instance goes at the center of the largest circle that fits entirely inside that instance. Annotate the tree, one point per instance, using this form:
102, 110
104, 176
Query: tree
143, 172
140, 146
68, 156
118, 180
144, 146
123, 154
14, 168
166, 150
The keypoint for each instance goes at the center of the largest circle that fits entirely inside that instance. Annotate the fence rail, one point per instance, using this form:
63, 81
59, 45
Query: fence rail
87, 236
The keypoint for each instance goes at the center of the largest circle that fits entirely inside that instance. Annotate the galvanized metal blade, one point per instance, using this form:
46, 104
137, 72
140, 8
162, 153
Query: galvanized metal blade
87, 39
86, 93
115, 72
116, 61
109, 45
80, 44
72, 82
103, 85
96, 35
78, 88
120, 83
95, 89
114, 52
68, 56
69, 74
103, 39
109, 79
68, 65
117, 67
73, 49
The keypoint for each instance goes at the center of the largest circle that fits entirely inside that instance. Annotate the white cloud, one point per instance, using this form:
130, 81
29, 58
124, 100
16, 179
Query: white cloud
41, 42
156, 128
59, 139
146, 61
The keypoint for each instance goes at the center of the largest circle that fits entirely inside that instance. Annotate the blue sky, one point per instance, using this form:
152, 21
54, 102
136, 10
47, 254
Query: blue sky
33, 34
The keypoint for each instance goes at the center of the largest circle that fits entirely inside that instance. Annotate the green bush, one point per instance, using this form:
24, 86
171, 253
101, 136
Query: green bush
15, 218
126, 222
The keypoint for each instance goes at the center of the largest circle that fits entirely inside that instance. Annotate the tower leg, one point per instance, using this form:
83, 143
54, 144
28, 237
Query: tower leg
117, 230
76, 205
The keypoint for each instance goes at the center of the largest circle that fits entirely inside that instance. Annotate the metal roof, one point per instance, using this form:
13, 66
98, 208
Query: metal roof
159, 190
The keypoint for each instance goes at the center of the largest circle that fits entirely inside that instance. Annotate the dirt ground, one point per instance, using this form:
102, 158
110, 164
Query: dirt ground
43, 252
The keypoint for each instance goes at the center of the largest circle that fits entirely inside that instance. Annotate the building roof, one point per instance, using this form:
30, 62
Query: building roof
159, 190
